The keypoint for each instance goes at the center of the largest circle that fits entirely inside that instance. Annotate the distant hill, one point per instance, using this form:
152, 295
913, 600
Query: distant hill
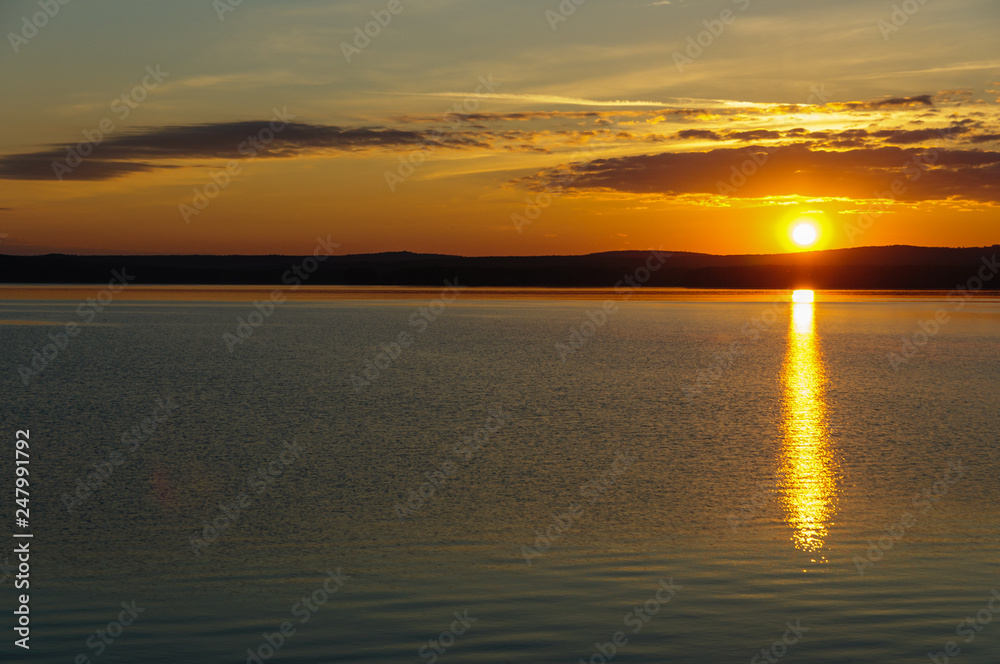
893, 267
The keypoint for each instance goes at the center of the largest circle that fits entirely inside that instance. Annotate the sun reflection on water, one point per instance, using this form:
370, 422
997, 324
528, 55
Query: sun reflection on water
809, 481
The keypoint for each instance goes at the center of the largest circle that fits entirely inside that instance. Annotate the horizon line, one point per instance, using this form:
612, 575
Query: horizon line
415, 253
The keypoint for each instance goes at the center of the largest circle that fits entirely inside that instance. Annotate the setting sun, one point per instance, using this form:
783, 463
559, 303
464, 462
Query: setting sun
805, 233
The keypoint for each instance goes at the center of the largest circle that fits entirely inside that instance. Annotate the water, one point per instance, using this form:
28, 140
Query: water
798, 479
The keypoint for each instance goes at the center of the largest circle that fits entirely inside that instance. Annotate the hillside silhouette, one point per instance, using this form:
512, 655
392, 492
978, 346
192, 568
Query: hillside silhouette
891, 267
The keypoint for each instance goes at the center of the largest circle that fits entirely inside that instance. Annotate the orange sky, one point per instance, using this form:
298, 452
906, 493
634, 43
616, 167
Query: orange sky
469, 129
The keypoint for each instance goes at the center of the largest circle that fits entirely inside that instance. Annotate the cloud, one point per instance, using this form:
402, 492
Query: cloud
789, 170
151, 149
859, 137
704, 134
919, 100
599, 117
962, 66
532, 98
910, 136
747, 136
892, 103
753, 135
675, 109
519, 116
674, 103
42, 166
146, 150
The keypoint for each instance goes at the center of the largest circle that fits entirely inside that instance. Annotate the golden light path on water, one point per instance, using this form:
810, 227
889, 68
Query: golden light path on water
808, 469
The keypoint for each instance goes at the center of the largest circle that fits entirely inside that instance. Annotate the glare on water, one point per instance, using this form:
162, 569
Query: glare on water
809, 482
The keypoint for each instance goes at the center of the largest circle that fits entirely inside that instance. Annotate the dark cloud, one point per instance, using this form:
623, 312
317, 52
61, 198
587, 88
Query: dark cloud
984, 138
138, 152
917, 101
151, 149
846, 143
749, 135
522, 116
852, 134
792, 170
46, 166
753, 135
859, 137
910, 136
699, 134
525, 148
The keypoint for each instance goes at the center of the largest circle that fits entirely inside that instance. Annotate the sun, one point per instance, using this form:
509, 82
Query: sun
805, 233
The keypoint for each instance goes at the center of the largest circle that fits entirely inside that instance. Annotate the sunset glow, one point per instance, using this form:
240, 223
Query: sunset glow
472, 332
805, 234
808, 478
257, 130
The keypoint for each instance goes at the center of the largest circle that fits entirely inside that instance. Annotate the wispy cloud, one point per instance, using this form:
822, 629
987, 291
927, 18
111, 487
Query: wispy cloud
532, 98
962, 66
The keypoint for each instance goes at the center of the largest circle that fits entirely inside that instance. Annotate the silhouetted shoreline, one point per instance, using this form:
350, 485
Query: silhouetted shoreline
877, 268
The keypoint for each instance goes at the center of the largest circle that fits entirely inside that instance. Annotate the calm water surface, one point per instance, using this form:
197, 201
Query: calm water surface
771, 464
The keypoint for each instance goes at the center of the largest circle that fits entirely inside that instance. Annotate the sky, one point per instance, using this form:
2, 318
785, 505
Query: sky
511, 127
